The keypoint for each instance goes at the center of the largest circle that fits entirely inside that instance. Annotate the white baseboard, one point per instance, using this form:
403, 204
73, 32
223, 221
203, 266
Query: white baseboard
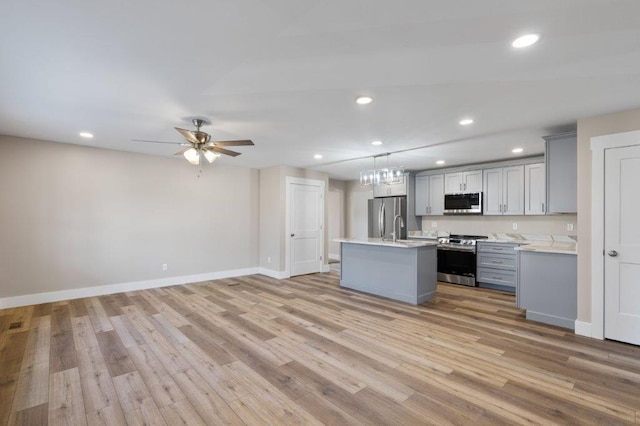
55, 296
326, 268
278, 275
334, 256
583, 328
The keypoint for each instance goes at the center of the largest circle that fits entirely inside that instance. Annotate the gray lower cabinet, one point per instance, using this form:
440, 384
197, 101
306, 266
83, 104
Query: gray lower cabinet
497, 265
547, 287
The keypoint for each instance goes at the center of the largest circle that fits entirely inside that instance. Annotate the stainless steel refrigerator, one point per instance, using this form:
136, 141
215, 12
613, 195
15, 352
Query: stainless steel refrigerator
381, 214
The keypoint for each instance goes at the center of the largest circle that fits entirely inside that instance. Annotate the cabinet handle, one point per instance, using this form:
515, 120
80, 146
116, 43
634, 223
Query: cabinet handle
497, 261
543, 210
500, 208
506, 208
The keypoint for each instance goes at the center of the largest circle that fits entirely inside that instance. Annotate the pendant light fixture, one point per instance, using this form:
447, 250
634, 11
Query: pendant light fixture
384, 176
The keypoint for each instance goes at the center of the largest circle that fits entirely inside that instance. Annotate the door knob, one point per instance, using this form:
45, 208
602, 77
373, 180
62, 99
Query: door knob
612, 253
293, 235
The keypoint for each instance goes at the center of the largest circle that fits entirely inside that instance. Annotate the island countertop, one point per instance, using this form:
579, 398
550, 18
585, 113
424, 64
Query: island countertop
378, 242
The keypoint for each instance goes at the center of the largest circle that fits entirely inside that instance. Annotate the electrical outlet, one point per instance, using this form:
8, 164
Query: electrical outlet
165, 266
434, 224
569, 226
269, 259
515, 225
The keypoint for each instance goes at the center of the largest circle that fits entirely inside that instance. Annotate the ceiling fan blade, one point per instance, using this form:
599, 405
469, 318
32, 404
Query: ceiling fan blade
223, 151
181, 152
188, 134
233, 143
168, 143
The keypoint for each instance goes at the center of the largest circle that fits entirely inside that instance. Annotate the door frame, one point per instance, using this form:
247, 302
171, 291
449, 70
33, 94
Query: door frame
287, 227
599, 145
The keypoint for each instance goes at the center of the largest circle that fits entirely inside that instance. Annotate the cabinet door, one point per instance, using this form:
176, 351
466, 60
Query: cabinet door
453, 183
422, 195
561, 165
472, 181
534, 189
492, 193
398, 189
436, 195
513, 190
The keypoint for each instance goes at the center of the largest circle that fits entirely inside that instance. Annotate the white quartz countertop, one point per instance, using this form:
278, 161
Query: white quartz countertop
549, 247
378, 242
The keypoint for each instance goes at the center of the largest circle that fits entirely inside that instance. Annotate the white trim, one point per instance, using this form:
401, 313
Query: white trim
335, 256
582, 328
279, 275
56, 296
326, 268
598, 147
301, 181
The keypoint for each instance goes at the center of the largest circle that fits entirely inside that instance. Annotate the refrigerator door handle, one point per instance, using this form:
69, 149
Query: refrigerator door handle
381, 220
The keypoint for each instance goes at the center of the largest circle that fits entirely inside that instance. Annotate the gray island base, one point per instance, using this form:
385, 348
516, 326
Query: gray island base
403, 271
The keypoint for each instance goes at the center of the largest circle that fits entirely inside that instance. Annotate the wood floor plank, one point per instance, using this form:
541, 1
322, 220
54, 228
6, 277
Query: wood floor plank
97, 386
115, 354
66, 405
254, 349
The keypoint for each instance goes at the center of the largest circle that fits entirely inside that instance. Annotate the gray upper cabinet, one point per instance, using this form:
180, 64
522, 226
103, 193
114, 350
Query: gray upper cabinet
561, 173
534, 189
503, 192
394, 190
463, 182
430, 195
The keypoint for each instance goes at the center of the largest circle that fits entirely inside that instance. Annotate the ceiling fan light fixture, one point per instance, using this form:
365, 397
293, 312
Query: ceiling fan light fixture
192, 155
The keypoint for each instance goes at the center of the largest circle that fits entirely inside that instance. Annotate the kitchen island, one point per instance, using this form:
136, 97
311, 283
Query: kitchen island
403, 270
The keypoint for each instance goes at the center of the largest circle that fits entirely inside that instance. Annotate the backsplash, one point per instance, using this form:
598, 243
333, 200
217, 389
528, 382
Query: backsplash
485, 225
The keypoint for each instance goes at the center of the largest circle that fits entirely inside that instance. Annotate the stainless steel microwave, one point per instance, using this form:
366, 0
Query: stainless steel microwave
463, 203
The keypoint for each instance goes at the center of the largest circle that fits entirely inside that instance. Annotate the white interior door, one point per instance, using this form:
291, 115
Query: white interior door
622, 245
306, 210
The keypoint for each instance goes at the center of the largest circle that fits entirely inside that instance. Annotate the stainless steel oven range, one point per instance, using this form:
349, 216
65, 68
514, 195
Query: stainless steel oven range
457, 259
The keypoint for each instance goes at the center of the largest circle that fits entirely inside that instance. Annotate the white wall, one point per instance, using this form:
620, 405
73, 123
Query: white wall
75, 216
335, 218
357, 197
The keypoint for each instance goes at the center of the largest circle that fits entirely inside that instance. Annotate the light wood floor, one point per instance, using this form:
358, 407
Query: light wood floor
254, 350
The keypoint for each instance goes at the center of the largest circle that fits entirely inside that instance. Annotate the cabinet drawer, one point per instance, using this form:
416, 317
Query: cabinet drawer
499, 261
493, 276
496, 248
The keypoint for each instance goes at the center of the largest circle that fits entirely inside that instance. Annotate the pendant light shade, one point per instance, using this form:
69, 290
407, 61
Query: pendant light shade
210, 155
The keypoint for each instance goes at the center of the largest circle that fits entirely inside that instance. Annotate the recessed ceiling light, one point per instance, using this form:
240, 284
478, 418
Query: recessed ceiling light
525, 41
441, 162
86, 135
364, 100
318, 156
376, 143
466, 121
517, 150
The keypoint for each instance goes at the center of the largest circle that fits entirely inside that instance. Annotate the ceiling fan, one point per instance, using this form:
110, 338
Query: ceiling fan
199, 144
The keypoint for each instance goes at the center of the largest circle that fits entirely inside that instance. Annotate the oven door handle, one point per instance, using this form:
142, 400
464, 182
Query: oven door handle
468, 250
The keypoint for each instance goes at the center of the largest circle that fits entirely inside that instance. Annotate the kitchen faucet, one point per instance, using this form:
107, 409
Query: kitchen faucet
395, 219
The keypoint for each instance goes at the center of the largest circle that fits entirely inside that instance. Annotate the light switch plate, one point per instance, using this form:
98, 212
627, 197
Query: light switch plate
569, 226
434, 224
515, 225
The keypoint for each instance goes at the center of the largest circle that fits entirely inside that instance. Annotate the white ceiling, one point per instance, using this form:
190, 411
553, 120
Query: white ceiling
285, 74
